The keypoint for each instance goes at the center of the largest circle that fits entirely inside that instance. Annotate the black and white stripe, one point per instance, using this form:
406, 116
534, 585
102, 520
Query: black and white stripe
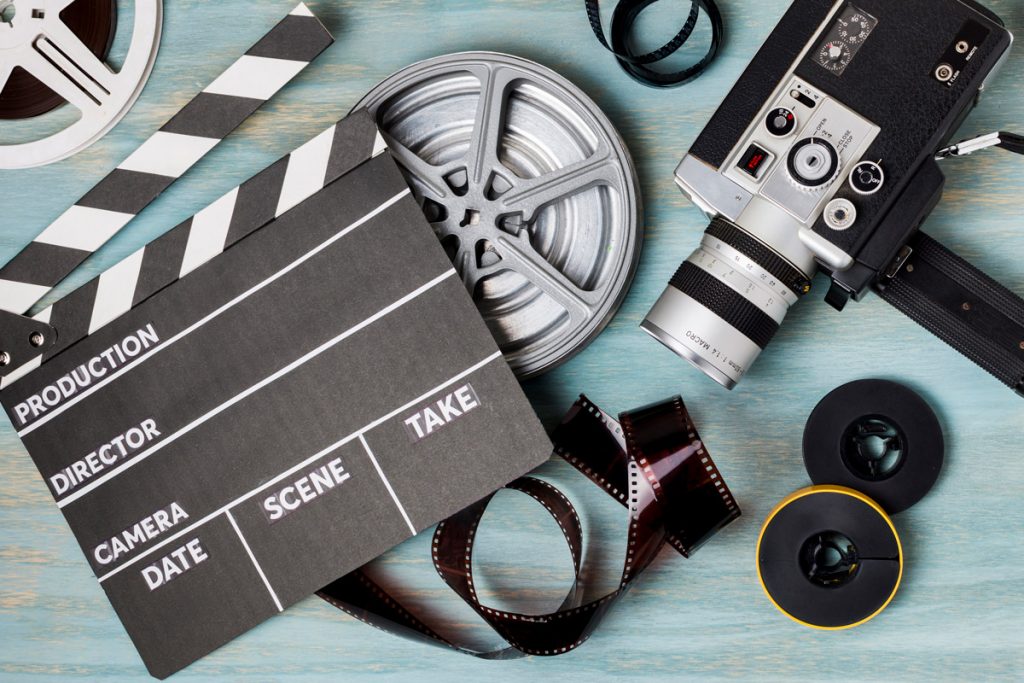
243, 210
253, 79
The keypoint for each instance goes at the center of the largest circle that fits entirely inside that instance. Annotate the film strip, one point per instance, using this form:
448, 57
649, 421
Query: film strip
195, 130
240, 212
654, 463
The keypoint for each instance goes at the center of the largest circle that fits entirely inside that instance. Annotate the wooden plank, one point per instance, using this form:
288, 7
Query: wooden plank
959, 612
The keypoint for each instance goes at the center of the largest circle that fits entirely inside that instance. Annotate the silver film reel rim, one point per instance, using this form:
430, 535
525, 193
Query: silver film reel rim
116, 92
610, 165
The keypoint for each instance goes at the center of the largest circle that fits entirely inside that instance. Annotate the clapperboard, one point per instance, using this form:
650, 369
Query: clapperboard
267, 397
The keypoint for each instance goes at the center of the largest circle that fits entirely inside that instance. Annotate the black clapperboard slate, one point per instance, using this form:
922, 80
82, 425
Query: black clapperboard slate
311, 397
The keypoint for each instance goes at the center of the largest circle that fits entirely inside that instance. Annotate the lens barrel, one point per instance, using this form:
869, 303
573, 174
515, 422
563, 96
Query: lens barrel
726, 302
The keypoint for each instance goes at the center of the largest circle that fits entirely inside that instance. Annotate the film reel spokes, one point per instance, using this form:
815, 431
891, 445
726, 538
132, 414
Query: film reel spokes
530, 190
36, 38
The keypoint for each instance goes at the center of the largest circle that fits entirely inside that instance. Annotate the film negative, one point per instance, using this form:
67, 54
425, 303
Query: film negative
530, 189
829, 557
654, 464
55, 52
181, 142
877, 437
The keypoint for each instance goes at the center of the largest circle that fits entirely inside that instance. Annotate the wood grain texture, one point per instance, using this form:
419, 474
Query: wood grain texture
960, 612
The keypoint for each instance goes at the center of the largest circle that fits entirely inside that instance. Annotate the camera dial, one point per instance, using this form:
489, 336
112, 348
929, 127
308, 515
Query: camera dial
813, 164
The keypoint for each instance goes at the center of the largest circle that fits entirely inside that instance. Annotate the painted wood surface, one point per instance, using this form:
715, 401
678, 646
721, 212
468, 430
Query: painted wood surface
960, 612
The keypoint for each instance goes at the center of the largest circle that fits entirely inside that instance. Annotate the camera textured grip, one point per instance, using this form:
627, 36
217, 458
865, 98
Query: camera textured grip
726, 303
961, 305
761, 254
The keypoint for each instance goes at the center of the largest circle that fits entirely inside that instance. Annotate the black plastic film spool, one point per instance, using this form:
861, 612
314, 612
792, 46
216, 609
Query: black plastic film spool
878, 437
829, 557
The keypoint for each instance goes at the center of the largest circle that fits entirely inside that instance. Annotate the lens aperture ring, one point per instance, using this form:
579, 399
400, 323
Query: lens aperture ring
726, 303
760, 254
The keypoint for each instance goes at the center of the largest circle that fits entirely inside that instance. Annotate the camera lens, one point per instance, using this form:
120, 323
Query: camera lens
726, 302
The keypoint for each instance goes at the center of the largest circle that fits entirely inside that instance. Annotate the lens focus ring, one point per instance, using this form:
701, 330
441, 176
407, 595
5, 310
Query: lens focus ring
726, 303
760, 254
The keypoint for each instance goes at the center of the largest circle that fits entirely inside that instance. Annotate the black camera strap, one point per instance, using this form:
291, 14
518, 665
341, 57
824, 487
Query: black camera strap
963, 306
956, 301
637, 65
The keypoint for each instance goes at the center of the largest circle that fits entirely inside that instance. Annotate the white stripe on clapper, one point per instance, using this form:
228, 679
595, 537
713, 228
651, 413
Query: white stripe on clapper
387, 484
208, 232
115, 290
306, 463
257, 78
168, 154
306, 171
202, 321
17, 297
259, 569
84, 228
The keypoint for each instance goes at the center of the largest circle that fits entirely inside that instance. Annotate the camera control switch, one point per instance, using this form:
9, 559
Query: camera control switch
781, 122
867, 178
840, 214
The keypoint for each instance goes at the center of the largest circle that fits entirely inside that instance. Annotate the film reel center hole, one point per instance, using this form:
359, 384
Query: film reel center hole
873, 448
829, 559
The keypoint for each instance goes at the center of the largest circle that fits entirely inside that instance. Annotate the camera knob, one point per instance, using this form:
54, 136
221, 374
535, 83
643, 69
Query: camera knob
813, 164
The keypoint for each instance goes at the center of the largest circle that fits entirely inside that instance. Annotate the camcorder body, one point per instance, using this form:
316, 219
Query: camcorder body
823, 157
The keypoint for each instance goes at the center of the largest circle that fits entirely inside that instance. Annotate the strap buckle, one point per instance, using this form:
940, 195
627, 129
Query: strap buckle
1008, 141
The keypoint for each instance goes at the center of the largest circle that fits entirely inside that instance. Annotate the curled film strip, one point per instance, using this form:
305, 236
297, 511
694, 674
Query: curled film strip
626, 14
654, 464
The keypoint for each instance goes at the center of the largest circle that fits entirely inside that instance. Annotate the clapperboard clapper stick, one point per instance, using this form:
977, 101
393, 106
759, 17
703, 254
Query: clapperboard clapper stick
246, 208
196, 129
313, 394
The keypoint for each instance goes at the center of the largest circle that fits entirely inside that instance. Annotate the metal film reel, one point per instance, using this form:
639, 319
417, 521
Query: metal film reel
37, 37
530, 189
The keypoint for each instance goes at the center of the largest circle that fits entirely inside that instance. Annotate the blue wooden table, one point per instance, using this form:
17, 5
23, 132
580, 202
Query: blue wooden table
960, 611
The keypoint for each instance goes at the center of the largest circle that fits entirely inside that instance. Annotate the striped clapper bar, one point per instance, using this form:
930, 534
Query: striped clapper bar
288, 385
238, 92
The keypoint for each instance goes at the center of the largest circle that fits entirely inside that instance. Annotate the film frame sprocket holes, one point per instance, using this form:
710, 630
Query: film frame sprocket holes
829, 556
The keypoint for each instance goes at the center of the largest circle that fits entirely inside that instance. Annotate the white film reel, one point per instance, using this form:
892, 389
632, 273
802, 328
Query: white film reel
36, 40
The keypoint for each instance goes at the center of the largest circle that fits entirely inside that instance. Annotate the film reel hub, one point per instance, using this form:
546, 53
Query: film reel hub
52, 51
530, 190
873, 447
878, 437
829, 559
